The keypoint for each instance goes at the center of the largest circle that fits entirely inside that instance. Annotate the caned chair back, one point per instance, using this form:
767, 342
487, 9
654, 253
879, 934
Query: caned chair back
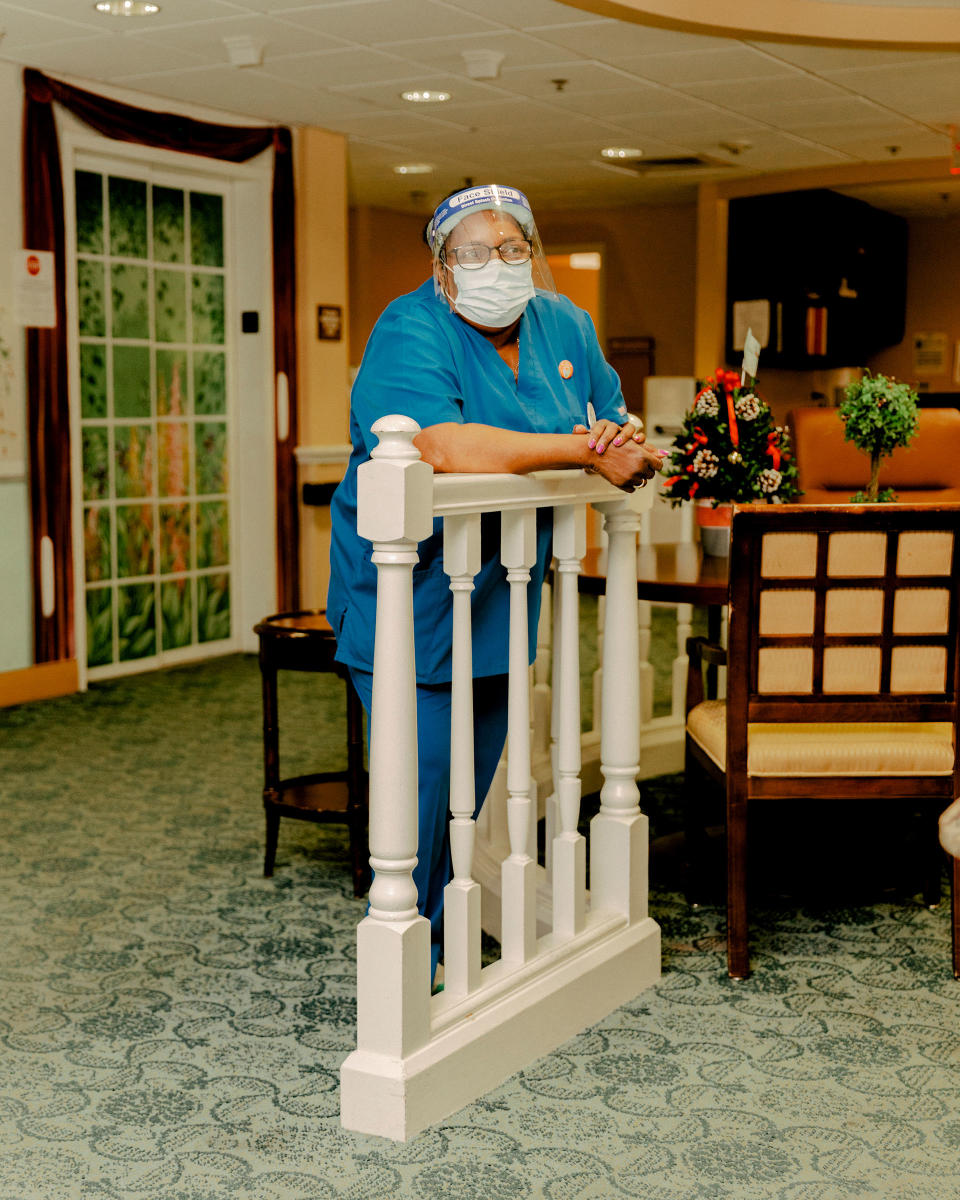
843, 614
842, 673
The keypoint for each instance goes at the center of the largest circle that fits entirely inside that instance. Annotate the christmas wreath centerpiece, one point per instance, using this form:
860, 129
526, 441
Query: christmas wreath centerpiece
730, 449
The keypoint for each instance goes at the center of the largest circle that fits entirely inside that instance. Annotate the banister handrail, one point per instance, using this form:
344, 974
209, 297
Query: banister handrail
461, 493
415, 1062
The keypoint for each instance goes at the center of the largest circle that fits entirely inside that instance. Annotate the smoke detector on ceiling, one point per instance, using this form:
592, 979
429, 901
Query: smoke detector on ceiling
243, 51
482, 64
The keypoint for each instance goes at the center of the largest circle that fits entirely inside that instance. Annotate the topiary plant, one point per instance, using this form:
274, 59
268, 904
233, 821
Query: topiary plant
879, 414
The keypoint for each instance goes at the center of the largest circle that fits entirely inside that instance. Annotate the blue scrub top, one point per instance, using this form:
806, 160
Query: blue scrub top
424, 362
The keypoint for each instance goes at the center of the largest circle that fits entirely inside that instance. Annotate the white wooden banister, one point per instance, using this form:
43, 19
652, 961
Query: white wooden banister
569, 858
619, 833
461, 897
419, 1058
393, 942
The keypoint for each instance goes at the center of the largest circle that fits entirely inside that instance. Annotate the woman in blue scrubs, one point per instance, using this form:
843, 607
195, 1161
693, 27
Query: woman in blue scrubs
502, 374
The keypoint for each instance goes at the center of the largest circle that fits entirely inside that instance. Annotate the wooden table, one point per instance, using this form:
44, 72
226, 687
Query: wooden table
671, 573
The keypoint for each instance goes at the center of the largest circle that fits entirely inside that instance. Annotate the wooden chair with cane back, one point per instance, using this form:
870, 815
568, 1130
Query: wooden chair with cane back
842, 681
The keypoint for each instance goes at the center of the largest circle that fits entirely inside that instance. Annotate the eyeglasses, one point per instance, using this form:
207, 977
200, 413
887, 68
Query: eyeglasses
473, 255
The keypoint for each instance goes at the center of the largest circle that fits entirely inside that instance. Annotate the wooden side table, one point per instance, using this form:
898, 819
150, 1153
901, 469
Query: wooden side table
304, 641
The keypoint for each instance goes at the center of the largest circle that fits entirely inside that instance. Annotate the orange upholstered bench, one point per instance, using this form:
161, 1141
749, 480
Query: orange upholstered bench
830, 469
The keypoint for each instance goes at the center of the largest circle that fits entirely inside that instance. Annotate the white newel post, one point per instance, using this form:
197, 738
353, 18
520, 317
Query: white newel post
619, 831
518, 552
395, 512
461, 897
569, 861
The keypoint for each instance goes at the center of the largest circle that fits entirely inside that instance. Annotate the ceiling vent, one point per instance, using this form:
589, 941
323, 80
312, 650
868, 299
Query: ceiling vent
680, 164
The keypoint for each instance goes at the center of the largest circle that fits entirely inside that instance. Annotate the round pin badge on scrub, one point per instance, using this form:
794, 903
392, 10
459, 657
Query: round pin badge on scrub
565, 368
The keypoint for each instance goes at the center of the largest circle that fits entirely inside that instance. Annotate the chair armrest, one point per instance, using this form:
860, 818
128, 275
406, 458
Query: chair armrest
701, 653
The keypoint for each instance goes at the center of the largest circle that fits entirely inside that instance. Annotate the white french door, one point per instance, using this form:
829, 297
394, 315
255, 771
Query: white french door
162, 526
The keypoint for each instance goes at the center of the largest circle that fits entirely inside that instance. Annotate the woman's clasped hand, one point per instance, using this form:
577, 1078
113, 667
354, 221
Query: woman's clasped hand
620, 454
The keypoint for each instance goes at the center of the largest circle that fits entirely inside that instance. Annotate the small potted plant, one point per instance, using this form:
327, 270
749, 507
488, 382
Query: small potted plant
728, 451
879, 414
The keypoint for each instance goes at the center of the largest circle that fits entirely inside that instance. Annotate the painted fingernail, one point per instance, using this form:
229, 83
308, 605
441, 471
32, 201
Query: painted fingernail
617, 441
591, 443
664, 453
601, 448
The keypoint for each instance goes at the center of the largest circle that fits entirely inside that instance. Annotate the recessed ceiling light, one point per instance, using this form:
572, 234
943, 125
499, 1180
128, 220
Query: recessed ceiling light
620, 152
126, 8
413, 169
425, 97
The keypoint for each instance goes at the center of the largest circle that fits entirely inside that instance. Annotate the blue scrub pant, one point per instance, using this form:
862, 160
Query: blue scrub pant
434, 868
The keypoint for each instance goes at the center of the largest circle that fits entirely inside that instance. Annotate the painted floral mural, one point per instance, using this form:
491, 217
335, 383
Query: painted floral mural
154, 417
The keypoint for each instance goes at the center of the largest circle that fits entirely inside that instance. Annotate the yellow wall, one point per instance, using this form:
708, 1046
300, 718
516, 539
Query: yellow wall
933, 305
321, 183
388, 258
649, 255
648, 261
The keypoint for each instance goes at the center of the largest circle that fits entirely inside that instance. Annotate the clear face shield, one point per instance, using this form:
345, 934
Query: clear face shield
488, 261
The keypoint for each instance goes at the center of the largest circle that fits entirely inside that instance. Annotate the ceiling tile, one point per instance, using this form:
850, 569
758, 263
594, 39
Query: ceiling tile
526, 15
822, 59
275, 35
734, 64
445, 53
108, 57
581, 78
259, 96
613, 40
744, 94
387, 94
790, 114
915, 87
24, 28
336, 68
380, 22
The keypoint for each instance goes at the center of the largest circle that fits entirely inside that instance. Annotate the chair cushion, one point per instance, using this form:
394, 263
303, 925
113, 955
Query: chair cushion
819, 748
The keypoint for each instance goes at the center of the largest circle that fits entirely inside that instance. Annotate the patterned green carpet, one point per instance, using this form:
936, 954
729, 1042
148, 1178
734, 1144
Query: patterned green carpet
172, 1024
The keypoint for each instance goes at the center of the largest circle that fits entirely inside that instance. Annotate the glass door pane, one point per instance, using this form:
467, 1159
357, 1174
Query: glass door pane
154, 419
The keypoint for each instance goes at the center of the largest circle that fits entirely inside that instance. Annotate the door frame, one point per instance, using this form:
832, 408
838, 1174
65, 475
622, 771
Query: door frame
250, 378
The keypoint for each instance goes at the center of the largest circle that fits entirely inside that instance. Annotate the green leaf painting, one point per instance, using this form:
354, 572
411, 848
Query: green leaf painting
151, 292
167, 224
172, 383
211, 457
209, 382
213, 534
213, 607
131, 381
206, 229
99, 626
91, 310
89, 199
171, 306
134, 460
93, 380
208, 319
134, 540
173, 458
96, 543
128, 217
176, 627
174, 538
96, 463
131, 317
136, 621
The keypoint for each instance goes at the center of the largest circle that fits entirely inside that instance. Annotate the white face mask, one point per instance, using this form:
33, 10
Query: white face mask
496, 294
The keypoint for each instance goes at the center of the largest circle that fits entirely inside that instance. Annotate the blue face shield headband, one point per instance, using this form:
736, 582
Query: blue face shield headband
511, 201
499, 199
